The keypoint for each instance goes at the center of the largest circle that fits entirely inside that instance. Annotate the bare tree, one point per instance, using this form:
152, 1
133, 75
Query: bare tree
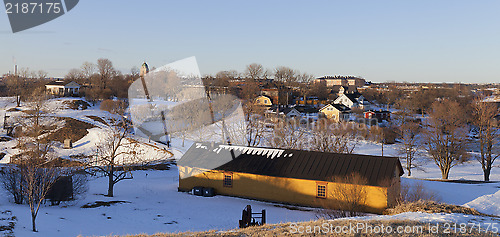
287, 134
255, 124
408, 131
41, 74
256, 129
319, 90
38, 176
304, 80
226, 107
254, 71
25, 72
285, 75
34, 161
16, 87
488, 134
105, 69
99, 88
88, 69
446, 135
245, 132
191, 117
222, 78
330, 137
250, 90
134, 72
74, 75
115, 154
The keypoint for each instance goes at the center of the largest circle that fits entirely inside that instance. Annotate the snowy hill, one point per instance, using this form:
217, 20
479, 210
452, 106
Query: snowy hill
150, 202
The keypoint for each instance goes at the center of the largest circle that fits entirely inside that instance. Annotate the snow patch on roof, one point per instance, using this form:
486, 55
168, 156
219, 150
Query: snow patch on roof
269, 152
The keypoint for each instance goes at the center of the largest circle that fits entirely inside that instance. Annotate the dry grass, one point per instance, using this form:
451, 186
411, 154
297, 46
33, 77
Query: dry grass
60, 162
7, 223
73, 129
417, 192
97, 119
315, 227
102, 204
13, 110
432, 207
76, 104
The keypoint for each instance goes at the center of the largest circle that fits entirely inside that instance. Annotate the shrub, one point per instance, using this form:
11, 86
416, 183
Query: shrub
76, 104
350, 194
10, 179
416, 192
432, 207
114, 106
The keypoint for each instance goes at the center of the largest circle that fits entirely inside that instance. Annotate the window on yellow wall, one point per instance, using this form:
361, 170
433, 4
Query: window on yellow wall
228, 180
321, 190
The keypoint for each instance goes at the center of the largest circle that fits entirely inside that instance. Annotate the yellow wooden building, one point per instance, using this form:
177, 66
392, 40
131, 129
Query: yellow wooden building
263, 101
303, 178
335, 112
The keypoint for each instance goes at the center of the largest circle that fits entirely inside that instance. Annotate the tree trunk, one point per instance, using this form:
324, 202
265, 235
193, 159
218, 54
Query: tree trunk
33, 226
111, 183
444, 174
486, 173
409, 170
110, 186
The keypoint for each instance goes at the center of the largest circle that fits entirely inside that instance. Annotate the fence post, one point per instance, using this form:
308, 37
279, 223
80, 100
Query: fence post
263, 216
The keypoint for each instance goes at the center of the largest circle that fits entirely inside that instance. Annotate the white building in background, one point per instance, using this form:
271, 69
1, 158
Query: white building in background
353, 101
61, 88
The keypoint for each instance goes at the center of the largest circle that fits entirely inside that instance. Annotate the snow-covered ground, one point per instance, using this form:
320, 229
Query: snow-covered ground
153, 204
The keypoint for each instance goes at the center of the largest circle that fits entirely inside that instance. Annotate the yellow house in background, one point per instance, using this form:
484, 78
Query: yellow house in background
296, 177
263, 101
336, 112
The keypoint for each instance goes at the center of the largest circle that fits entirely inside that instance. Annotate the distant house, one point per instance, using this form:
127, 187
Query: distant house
263, 101
288, 176
312, 100
331, 81
308, 112
494, 100
345, 90
336, 112
291, 113
378, 114
272, 93
355, 100
61, 88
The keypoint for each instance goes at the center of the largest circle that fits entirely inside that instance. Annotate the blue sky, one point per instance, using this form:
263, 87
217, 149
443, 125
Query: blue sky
416, 41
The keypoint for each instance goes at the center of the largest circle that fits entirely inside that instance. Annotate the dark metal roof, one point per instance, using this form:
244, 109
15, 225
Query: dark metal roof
339, 77
289, 163
57, 83
307, 109
341, 107
353, 97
